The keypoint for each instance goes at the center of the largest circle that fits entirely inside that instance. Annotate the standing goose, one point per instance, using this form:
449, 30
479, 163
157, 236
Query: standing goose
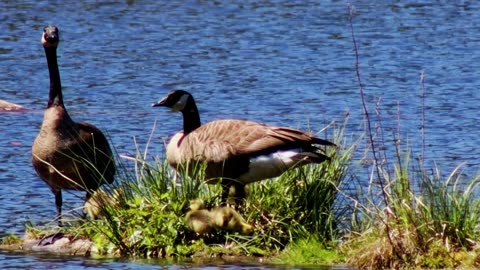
238, 151
67, 154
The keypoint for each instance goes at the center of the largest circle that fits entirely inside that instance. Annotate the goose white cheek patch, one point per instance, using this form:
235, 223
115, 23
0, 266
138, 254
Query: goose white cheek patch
181, 103
268, 166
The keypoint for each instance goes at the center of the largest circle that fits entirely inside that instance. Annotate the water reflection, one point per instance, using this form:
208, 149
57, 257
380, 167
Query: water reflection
42, 261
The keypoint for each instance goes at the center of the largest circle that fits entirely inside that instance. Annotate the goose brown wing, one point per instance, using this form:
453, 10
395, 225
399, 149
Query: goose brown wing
222, 139
213, 142
94, 147
264, 139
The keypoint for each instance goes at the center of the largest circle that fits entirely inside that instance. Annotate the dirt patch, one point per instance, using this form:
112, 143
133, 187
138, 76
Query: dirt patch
56, 243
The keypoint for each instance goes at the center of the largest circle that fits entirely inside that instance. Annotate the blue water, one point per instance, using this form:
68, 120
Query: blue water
281, 62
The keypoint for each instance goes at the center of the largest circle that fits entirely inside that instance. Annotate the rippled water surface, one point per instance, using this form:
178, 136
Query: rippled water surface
280, 62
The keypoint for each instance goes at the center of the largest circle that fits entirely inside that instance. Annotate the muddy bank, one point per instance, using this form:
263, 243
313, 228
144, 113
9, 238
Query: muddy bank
60, 244
56, 243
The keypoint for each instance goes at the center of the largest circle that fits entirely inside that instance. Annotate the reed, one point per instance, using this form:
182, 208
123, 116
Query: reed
409, 217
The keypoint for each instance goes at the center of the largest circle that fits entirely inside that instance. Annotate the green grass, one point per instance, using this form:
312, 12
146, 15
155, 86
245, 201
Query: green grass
305, 252
408, 217
427, 221
148, 217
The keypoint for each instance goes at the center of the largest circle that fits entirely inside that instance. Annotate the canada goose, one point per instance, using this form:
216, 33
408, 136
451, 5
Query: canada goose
67, 154
203, 221
237, 151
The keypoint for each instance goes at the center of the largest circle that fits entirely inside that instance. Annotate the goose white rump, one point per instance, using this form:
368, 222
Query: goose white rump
271, 165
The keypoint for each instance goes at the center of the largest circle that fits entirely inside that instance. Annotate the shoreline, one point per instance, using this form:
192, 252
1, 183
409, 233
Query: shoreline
55, 244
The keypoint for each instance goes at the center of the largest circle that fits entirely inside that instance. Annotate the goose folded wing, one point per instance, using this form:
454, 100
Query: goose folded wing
262, 139
227, 138
94, 146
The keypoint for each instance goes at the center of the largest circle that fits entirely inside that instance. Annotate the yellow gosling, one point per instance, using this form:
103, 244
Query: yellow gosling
203, 221
226, 218
198, 218
95, 206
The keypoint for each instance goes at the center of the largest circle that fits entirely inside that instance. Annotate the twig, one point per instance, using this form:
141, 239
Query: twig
422, 127
364, 106
369, 129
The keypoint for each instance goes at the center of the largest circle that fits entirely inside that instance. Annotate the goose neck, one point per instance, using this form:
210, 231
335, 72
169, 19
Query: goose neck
191, 119
55, 95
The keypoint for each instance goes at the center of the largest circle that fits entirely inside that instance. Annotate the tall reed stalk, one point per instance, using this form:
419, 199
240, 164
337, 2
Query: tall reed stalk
422, 220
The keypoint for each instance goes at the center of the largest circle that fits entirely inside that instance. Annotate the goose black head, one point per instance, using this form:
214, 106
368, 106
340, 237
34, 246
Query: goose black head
177, 100
50, 37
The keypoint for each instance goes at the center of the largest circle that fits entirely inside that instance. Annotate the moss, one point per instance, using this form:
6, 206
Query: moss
439, 255
309, 252
11, 240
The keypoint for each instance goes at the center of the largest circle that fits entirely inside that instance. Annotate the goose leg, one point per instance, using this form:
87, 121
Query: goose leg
225, 191
58, 203
238, 194
233, 192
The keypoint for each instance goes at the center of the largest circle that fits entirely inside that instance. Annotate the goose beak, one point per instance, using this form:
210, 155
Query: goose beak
159, 103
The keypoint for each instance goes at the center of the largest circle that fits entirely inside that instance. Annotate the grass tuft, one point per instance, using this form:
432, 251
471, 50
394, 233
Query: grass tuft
143, 213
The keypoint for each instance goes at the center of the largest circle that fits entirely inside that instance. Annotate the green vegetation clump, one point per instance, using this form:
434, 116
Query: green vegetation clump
422, 221
143, 214
309, 252
11, 239
404, 218
409, 215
